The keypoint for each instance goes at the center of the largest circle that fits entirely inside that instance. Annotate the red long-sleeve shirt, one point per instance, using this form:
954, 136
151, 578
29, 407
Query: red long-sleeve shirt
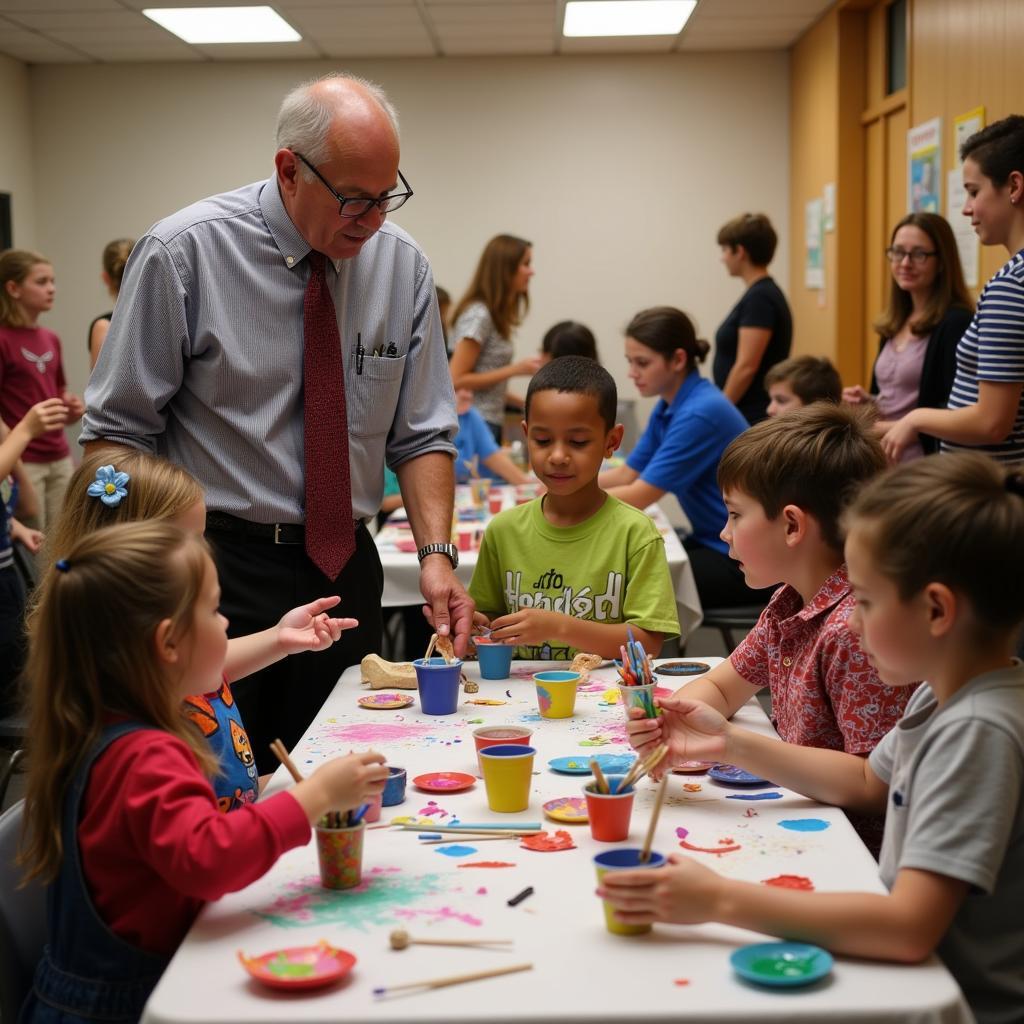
154, 846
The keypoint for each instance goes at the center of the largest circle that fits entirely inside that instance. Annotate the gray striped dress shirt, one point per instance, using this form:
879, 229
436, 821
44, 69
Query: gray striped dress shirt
203, 362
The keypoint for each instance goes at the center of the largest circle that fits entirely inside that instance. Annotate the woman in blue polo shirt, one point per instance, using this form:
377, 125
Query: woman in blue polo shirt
679, 451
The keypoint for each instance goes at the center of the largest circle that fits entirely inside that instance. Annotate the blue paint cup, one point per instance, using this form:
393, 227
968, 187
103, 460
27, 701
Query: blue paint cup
394, 788
495, 660
623, 858
438, 683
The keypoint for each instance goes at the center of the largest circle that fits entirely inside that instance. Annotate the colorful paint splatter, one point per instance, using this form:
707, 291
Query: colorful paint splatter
755, 796
798, 882
385, 895
547, 843
805, 824
726, 845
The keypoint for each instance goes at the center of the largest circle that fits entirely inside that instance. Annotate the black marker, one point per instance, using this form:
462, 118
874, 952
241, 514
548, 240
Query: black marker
519, 897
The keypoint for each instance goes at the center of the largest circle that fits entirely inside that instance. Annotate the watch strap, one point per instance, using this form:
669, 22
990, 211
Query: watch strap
450, 550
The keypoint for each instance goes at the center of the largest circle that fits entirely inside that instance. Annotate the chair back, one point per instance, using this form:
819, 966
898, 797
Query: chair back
22, 920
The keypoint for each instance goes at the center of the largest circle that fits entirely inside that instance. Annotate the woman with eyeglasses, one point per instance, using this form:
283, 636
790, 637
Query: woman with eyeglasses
985, 411
495, 302
929, 310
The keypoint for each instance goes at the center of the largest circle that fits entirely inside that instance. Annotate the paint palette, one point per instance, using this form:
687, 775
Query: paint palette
385, 701
570, 809
682, 668
693, 767
733, 775
444, 782
300, 967
781, 964
613, 764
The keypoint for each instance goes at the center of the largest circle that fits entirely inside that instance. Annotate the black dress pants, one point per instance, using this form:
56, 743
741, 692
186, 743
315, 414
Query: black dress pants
260, 581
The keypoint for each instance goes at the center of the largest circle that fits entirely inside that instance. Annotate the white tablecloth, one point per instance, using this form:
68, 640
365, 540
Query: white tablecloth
402, 573
581, 972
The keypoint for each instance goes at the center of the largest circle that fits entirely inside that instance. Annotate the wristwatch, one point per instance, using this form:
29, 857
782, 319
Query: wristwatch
440, 549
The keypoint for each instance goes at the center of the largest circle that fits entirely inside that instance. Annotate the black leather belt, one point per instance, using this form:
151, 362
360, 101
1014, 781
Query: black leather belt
267, 533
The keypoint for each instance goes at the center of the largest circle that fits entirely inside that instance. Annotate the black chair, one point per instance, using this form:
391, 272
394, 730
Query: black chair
732, 620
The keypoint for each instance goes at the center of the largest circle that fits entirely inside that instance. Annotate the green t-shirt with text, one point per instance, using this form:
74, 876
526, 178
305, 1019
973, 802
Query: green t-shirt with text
610, 568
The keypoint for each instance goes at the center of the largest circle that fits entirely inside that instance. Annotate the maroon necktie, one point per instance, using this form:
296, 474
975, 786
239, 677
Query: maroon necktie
330, 534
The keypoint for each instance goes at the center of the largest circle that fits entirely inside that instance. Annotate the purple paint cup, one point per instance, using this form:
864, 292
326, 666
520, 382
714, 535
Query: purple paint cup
438, 683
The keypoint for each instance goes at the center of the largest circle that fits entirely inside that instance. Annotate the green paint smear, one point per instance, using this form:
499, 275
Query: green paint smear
284, 968
370, 904
777, 967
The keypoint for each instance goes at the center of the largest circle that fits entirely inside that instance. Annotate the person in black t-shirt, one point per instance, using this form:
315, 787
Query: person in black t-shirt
758, 331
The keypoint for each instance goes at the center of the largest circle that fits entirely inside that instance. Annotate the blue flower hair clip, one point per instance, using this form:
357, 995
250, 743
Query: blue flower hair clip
109, 487
62, 565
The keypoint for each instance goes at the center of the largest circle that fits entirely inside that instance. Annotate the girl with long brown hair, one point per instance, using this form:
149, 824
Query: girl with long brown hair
119, 803
495, 302
929, 309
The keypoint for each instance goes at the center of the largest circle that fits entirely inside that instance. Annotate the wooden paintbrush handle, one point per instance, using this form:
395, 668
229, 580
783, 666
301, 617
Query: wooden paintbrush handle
461, 942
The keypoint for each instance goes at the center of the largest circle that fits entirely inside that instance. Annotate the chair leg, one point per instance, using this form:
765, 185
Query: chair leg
7, 773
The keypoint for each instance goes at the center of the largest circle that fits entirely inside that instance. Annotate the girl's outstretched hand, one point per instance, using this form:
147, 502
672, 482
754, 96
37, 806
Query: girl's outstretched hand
681, 892
309, 628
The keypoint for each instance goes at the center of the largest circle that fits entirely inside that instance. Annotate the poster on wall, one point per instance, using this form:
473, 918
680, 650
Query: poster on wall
967, 243
924, 167
814, 237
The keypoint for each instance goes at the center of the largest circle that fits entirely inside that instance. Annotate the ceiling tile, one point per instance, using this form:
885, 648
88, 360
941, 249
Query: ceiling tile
35, 49
617, 44
302, 49
390, 47
48, 21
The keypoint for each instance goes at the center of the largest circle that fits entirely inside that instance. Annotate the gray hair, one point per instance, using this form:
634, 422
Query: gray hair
304, 120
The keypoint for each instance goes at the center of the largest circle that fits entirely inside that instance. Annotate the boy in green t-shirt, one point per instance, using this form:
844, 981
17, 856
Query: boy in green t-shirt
572, 570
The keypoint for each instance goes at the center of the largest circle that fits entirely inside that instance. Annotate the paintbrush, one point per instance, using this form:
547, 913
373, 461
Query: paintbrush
467, 831
452, 979
400, 939
640, 768
277, 748
602, 782
477, 839
645, 853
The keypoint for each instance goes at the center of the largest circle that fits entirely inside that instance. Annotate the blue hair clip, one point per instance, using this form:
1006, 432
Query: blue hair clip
62, 565
109, 487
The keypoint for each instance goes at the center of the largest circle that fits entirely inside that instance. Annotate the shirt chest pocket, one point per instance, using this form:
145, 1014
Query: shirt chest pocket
371, 397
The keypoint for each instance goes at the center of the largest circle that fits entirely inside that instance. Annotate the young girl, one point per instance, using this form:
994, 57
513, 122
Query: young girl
119, 487
679, 451
41, 417
929, 310
120, 818
935, 551
115, 259
31, 371
494, 303
985, 410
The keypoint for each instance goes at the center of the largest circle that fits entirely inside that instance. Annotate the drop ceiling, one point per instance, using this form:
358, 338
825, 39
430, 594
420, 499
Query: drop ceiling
112, 31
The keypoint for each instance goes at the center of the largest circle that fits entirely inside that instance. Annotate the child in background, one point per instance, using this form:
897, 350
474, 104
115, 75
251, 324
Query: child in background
120, 818
799, 381
569, 338
936, 554
43, 416
115, 259
572, 570
140, 486
785, 483
31, 371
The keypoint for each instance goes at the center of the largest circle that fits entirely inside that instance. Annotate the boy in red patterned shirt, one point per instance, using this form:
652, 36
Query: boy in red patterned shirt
785, 483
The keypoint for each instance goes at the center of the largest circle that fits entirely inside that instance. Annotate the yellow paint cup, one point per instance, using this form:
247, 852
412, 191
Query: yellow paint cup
508, 771
625, 858
556, 693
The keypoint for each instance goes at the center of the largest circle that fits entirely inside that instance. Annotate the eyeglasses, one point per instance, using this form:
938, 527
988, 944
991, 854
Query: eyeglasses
357, 207
917, 256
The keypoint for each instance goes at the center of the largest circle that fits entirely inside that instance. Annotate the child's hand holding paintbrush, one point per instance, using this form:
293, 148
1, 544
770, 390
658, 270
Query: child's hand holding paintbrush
693, 732
341, 784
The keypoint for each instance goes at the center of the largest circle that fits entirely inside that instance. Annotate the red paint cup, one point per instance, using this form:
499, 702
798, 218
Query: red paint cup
493, 735
496, 504
465, 540
609, 813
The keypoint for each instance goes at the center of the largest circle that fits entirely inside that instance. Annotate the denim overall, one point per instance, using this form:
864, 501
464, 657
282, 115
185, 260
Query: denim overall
87, 973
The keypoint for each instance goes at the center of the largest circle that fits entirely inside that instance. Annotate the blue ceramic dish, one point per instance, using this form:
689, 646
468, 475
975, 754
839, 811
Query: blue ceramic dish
781, 964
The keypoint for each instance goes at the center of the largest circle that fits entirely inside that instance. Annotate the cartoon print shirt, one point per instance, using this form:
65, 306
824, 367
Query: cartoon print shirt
611, 568
220, 721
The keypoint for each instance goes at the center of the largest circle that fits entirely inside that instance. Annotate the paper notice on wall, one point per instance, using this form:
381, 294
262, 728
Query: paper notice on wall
924, 167
966, 240
814, 264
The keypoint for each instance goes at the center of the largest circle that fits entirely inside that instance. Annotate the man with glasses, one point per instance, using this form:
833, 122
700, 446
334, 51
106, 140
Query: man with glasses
282, 342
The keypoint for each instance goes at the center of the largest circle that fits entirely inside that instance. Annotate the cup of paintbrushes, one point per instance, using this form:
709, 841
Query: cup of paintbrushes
639, 696
609, 811
339, 848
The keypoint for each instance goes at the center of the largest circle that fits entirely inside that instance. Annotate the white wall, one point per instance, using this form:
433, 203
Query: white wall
619, 169
16, 161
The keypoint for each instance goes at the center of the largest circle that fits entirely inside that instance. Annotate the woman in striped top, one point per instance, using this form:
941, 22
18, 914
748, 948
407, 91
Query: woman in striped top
985, 410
